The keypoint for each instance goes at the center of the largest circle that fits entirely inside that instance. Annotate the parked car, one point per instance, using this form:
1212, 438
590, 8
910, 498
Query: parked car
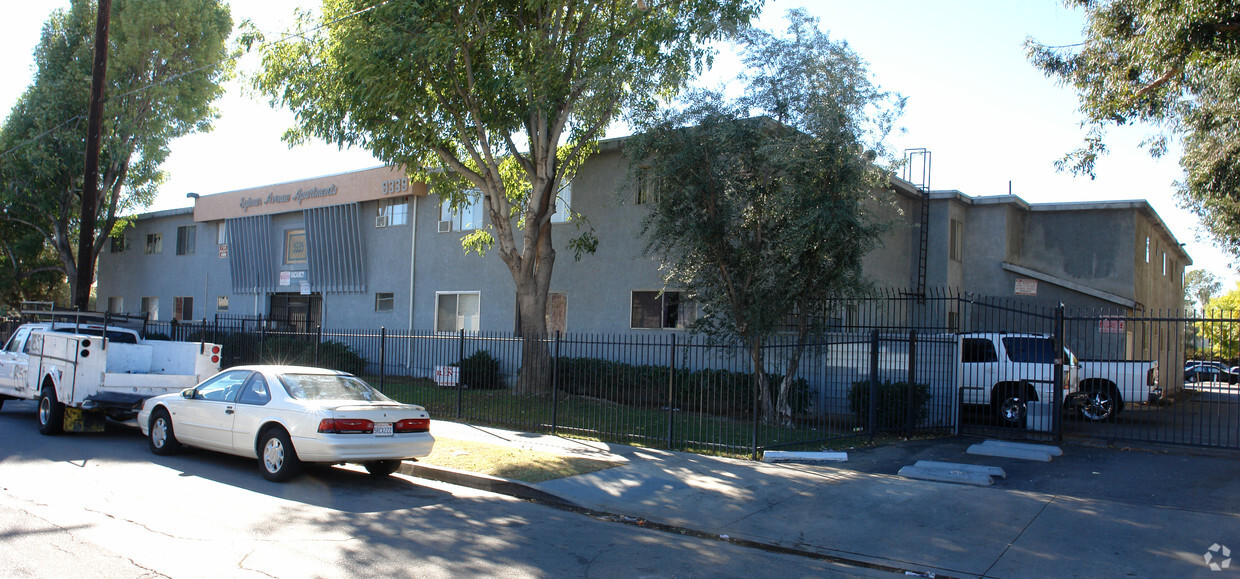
1210, 373
288, 415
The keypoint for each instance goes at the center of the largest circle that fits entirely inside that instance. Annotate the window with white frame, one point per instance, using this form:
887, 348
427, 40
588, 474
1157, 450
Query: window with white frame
187, 237
647, 190
154, 243
563, 204
956, 240
393, 212
666, 310
466, 217
221, 304
118, 244
116, 305
385, 301
456, 311
150, 307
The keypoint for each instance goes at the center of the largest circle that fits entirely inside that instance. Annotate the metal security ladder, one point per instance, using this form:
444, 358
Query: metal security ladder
917, 172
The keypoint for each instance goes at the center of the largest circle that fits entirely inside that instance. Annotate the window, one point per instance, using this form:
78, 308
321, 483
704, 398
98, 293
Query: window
393, 212
957, 241
118, 244
647, 190
977, 351
221, 233
563, 204
466, 217
667, 309
187, 236
384, 301
116, 304
456, 311
1147, 249
255, 391
1030, 350
221, 304
294, 246
223, 387
154, 243
150, 307
1164, 256
183, 308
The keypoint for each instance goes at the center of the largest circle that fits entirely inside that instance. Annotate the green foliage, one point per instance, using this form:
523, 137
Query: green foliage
1221, 338
710, 391
1200, 286
481, 370
1171, 64
240, 349
893, 403
165, 65
764, 219
507, 98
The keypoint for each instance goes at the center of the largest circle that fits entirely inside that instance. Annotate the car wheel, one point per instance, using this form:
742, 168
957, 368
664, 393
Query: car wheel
382, 467
162, 439
51, 412
1100, 404
1010, 405
277, 457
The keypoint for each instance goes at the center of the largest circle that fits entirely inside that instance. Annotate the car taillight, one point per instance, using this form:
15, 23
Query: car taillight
346, 426
413, 425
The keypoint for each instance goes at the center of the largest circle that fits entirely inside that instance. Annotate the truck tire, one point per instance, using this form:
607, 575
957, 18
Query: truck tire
276, 456
1100, 403
162, 438
51, 412
1010, 402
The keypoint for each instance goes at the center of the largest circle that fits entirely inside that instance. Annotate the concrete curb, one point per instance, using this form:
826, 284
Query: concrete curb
482, 482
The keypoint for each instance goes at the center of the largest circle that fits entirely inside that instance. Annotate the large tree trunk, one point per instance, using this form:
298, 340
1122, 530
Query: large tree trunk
535, 357
765, 408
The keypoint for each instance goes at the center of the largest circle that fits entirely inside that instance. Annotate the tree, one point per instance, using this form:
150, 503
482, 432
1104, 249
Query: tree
29, 271
1199, 287
1220, 335
763, 219
1169, 63
167, 59
495, 98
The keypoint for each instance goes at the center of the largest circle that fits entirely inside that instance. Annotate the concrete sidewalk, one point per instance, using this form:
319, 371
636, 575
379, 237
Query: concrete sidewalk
1096, 511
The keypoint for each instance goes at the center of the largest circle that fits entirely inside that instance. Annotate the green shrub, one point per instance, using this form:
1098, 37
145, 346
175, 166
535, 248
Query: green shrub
481, 371
239, 349
892, 403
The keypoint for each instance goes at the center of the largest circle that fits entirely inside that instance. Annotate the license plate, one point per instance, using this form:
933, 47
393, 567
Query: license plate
383, 429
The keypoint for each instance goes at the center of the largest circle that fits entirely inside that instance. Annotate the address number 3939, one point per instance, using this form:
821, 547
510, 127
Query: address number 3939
395, 186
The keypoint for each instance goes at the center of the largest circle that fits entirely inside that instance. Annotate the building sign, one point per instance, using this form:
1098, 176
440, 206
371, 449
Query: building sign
344, 188
1026, 287
289, 278
295, 246
278, 198
447, 375
223, 251
1111, 325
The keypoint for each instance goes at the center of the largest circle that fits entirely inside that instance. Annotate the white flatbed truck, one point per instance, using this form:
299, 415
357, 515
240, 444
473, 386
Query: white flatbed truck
82, 373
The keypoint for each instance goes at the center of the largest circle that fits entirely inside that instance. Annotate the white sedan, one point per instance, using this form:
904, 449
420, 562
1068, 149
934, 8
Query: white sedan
288, 415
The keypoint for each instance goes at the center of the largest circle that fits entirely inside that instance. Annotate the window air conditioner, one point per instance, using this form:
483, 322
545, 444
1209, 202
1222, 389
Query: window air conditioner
445, 226
381, 221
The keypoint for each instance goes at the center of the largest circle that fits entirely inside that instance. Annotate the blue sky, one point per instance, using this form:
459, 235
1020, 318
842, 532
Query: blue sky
987, 116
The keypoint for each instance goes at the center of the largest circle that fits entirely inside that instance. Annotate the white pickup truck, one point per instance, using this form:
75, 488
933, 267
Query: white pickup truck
1107, 385
82, 373
1007, 371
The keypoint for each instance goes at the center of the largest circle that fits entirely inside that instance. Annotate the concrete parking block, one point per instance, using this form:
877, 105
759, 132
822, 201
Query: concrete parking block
793, 456
1047, 448
1009, 452
946, 475
978, 468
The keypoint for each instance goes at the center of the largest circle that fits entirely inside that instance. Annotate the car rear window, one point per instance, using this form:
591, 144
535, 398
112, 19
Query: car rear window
1030, 350
328, 387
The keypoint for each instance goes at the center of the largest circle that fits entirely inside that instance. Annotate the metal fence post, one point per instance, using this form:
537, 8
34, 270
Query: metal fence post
555, 384
671, 395
910, 413
215, 330
459, 375
757, 400
872, 412
318, 339
262, 338
382, 354
1057, 399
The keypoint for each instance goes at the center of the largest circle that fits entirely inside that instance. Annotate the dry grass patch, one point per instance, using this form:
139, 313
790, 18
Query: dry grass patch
508, 462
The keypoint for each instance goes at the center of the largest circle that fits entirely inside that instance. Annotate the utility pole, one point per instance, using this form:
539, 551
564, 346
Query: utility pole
90, 188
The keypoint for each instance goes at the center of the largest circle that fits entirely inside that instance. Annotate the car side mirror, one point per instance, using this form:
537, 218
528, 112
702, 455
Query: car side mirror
187, 394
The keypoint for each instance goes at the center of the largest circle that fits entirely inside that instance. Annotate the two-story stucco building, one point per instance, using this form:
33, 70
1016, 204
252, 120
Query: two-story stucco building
369, 249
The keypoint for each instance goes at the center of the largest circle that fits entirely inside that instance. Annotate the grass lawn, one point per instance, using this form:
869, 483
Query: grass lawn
508, 462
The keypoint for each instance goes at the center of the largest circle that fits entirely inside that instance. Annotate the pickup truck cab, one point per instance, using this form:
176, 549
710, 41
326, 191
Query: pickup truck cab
1007, 371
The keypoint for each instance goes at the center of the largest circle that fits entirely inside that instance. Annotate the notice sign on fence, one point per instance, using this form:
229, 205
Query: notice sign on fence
1111, 325
1026, 287
447, 375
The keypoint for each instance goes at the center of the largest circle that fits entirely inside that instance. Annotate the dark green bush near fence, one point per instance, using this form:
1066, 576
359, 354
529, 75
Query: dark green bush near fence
892, 402
238, 349
480, 371
718, 392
